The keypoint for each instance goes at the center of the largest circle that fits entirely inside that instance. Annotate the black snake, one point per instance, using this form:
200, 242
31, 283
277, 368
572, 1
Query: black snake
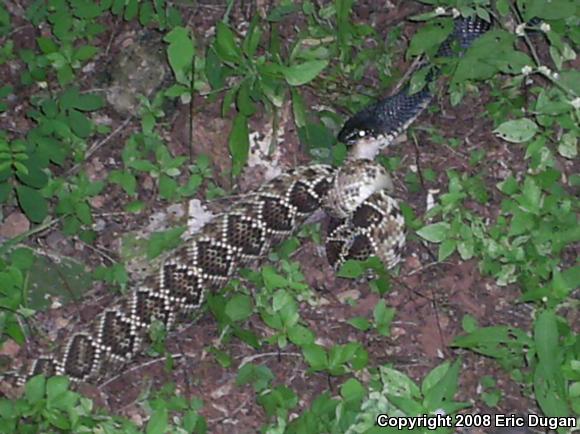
365, 221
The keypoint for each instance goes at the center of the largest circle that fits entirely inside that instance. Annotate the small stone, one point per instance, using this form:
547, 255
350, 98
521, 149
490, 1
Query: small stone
15, 224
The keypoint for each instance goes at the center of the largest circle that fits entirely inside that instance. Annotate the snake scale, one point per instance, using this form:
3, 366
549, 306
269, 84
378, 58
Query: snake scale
365, 221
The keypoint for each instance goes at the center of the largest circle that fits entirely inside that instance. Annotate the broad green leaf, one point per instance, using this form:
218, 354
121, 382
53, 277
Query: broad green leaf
33, 176
32, 203
273, 280
160, 241
531, 196
56, 386
239, 307
225, 45
298, 108
299, 74
79, 124
88, 102
167, 187
351, 269
300, 335
434, 233
568, 146
360, 323
547, 341
398, 384
159, 421
443, 389
315, 356
352, 390
35, 388
46, 45
281, 11
239, 144
446, 249
257, 375
64, 74
244, 100
252, 39
85, 52
517, 131
383, 317
180, 53
430, 36
131, 10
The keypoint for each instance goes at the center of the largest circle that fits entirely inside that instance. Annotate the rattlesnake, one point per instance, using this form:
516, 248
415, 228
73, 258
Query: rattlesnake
365, 221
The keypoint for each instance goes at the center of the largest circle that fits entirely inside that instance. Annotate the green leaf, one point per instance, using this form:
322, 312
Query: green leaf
440, 385
531, 196
258, 376
469, 323
46, 45
160, 241
79, 124
239, 307
383, 317
434, 233
315, 356
225, 45
55, 387
239, 144
244, 101
131, 10
180, 53
547, 339
517, 131
125, 179
300, 335
298, 108
430, 36
33, 176
83, 213
568, 146
85, 52
158, 423
35, 388
359, 323
32, 203
273, 280
446, 249
167, 187
297, 75
65, 75
281, 11
352, 390
252, 39
351, 269
88, 102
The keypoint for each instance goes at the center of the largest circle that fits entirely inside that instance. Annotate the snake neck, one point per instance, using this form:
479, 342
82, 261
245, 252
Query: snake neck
369, 148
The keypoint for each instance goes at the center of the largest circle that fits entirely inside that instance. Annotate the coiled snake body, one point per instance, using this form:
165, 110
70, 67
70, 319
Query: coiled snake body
365, 221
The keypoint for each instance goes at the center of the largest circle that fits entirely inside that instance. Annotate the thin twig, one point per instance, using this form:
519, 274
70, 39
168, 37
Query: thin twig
251, 358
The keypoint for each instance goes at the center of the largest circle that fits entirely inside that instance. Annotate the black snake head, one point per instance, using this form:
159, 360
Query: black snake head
364, 125
377, 125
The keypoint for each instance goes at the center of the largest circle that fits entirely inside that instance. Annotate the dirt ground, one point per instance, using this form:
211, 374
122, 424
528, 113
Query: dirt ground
430, 298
